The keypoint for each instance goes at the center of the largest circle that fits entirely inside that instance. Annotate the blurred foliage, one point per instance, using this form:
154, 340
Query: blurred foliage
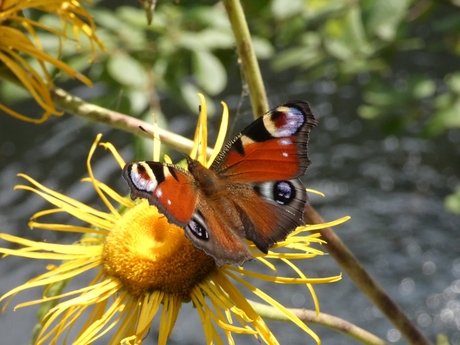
189, 48
389, 50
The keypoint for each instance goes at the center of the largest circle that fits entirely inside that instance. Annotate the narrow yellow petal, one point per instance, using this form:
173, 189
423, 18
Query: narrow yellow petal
221, 135
277, 305
91, 175
108, 146
315, 192
111, 193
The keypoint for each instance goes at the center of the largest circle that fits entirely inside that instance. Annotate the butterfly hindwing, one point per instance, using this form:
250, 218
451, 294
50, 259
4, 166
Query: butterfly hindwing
280, 209
267, 157
220, 235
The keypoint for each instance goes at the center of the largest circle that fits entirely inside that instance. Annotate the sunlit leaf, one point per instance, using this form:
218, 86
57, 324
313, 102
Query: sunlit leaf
283, 9
189, 95
453, 82
424, 88
209, 72
452, 201
139, 100
126, 70
216, 39
345, 37
303, 56
262, 47
368, 112
385, 17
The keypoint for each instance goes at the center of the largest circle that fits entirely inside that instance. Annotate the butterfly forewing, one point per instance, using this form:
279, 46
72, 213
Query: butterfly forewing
274, 147
168, 187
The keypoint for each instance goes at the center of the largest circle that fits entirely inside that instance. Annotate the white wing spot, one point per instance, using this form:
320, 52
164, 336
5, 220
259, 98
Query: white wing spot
285, 142
294, 120
141, 183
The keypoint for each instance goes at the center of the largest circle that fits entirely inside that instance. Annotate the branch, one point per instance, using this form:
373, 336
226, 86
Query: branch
77, 106
362, 279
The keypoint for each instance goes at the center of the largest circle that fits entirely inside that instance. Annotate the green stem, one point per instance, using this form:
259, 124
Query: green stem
322, 319
247, 56
363, 280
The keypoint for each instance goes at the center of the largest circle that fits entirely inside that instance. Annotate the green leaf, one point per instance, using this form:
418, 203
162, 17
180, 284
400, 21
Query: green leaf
189, 94
452, 202
12, 92
445, 116
368, 112
385, 17
262, 47
283, 9
126, 70
297, 56
216, 39
138, 100
424, 88
453, 82
345, 37
209, 72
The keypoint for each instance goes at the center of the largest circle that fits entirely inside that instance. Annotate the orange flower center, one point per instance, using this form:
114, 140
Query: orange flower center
147, 253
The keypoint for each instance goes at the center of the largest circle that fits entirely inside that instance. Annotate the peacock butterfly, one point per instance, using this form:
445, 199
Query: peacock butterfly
252, 189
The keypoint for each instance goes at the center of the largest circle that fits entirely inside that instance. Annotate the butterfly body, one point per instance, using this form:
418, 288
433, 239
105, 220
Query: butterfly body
251, 191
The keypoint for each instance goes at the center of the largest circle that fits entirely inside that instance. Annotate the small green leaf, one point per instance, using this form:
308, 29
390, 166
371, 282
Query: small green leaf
345, 37
189, 93
262, 47
297, 56
216, 39
452, 202
209, 72
368, 112
453, 82
385, 17
138, 100
126, 70
424, 88
283, 9
12, 92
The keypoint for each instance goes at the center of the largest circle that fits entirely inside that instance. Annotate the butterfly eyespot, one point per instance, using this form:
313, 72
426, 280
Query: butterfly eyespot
283, 192
198, 229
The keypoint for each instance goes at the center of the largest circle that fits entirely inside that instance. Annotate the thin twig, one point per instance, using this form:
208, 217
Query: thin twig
322, 319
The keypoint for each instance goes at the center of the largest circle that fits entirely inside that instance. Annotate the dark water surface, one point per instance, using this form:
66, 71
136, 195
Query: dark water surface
392, 187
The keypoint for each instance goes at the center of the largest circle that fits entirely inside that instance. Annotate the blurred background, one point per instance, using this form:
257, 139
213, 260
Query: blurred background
383, 79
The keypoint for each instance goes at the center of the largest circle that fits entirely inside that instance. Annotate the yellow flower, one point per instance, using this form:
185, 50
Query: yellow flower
140, 263
19, 39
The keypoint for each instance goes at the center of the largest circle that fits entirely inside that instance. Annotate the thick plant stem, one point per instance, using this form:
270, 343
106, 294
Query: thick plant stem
249, 63
362, 279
